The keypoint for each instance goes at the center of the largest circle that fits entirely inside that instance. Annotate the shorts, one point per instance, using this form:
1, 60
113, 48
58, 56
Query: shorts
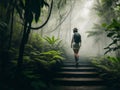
76, 45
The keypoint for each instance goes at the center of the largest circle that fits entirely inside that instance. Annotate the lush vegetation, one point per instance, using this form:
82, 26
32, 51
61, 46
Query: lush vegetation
40, 63
109, 27
109, 69
27, 60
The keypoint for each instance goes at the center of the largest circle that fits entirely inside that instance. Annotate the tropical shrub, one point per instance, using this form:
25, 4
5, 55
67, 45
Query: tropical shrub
109, 68
113, 32
53, 43
39, 66
3, 35
36, 41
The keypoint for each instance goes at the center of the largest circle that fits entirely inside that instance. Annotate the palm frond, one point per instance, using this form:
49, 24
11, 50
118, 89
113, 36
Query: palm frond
94, 33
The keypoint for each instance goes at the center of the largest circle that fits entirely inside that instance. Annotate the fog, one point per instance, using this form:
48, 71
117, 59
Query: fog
80, 14
83, 18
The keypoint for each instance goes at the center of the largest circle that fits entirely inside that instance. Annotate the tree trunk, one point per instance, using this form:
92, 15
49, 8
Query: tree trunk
21, 49
11, 29
22, 46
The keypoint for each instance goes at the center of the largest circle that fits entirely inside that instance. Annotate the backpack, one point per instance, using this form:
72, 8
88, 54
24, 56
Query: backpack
77, 37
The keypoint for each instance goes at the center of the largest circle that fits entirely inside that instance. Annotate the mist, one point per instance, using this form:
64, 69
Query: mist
80, 14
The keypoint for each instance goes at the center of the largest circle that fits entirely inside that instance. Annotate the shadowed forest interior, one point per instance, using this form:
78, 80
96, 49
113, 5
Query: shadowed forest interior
35, 39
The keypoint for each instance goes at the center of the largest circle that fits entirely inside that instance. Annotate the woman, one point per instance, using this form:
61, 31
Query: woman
76, 44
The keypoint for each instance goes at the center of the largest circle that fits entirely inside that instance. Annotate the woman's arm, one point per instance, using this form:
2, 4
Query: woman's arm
71, 42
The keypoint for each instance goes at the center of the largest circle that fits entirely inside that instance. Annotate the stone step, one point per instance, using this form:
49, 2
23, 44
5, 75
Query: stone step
78, 81
79, 65
83, 75
93, 87
80, 69
82, 62
76, 74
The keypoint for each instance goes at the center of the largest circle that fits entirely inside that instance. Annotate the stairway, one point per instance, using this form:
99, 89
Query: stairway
84, 76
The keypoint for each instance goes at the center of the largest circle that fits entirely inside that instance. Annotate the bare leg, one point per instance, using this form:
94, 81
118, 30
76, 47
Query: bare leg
76, 55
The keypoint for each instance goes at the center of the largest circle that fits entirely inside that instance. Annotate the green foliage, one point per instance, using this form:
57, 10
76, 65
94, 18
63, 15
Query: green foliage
98, 31
109, 68
53, 58
29, 47
116, 9
26, 59
34, 54
41, 66
58, 57
53, 43
36, 41
113, 32
38, 66
107, 3
3, 35
61, 3
38, 85
108, 10
52, 63
98, 8
104, 9
107, 63
13, 52
29, 8
45, 61
32, 9
93, 33
51, 40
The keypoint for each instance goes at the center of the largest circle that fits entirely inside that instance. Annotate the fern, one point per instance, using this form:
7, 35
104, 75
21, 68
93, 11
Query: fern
58, 57
52, 63
53, 42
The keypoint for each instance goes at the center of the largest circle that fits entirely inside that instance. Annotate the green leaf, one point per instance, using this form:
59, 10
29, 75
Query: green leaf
46, 4
26, 59
58, 57
52, 63
51, 40
109, 50
37, 85
37, 15
110, 34
104, 25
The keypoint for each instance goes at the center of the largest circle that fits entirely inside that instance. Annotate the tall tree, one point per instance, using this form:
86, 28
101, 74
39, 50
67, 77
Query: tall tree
31, 11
